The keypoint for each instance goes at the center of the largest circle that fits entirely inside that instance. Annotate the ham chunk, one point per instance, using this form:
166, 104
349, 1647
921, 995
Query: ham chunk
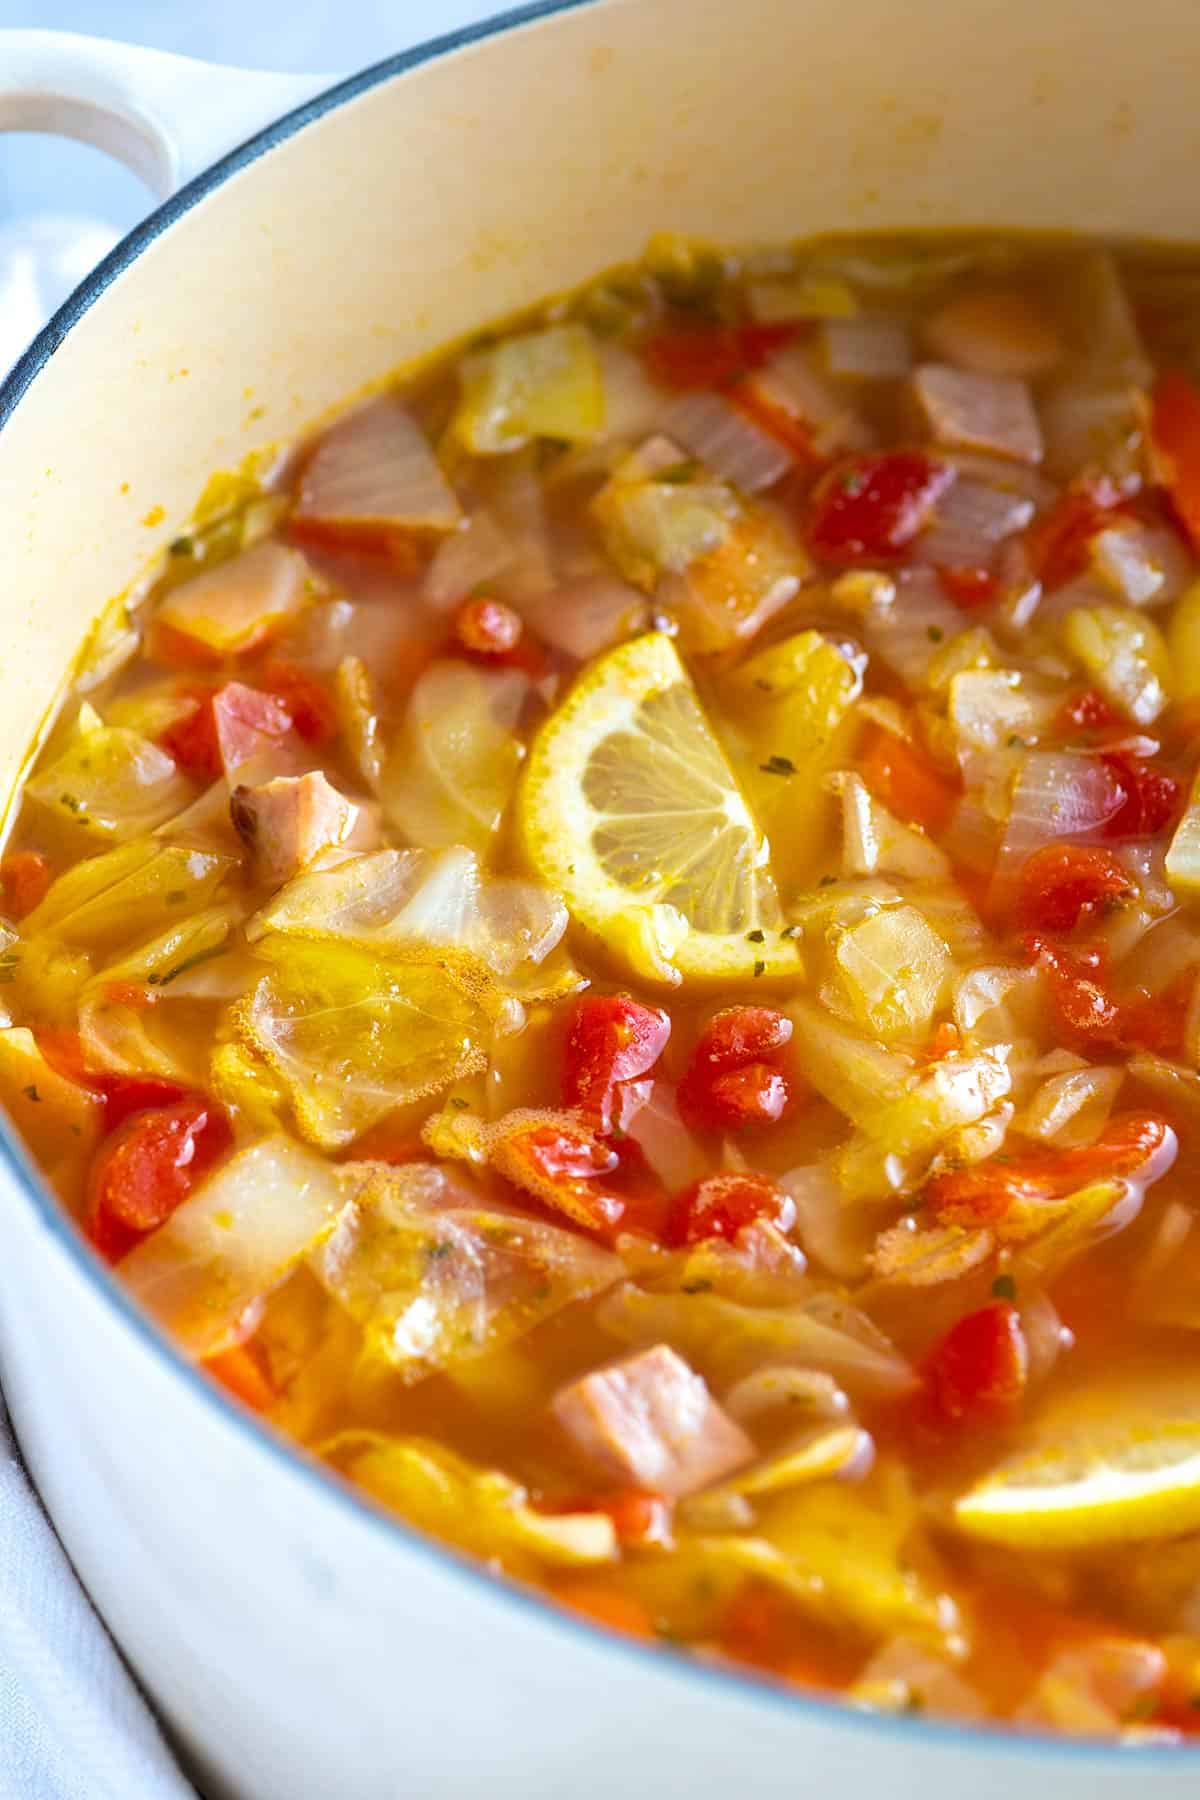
650, 1421
288, 822
966, 411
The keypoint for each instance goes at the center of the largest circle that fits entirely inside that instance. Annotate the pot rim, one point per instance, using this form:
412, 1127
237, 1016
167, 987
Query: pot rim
292, 1460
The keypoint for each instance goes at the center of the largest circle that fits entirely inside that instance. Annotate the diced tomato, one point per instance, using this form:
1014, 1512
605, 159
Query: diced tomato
712, 356
125, 1095
640, 1517
906, 781
1061, 886
192, 740
1152, 799
247, 723
979, 1370
242, 1370
967, 585
985, 1194
404, 551
566, 1167
1158, 1021
1087, 711
1175, 432
1059, 544
719, 1206
870, 508
604, 1603
25, 877
487, 628
1085, 1012
307, 701
148, 1167
612, 1039
735, 1078
944, 1041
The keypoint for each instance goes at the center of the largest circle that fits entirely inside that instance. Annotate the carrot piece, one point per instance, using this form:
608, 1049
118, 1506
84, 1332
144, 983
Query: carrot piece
242, 1372
606, 1605
906, 781
1175, 431
25, 876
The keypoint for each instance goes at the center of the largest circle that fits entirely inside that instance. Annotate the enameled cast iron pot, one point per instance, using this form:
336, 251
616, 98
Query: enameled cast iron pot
299, 1645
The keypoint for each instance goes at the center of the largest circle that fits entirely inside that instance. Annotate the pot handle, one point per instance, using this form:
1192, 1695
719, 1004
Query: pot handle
167, 117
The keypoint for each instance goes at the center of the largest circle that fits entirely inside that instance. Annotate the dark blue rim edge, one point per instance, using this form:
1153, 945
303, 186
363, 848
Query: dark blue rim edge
53, 1219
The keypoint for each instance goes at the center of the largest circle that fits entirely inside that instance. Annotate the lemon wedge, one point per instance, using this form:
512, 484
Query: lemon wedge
1129, 1485
629, 809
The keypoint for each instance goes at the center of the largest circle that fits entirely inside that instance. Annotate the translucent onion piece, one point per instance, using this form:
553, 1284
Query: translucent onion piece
376, 468
1071, 1109
236, 605
725, 439
891, 1153
855, 1074
994, 413
467, 558
234, 1238
868, 349
1124, 653
480, 1510
790, 383
837, 1236
434, 1281
451, 772
908, 635
131, 892
633, 404
876, 843
671, 1150
586, 616
1143, 565
969, 521
1057, 794
793, 1391
888, 973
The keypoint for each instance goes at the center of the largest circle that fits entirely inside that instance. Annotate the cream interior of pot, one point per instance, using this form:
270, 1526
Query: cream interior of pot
518, 165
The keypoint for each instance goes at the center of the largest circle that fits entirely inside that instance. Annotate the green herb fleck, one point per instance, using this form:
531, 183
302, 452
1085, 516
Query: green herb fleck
181, 546
1016, 742
71, 803
458, 1103
828, 881
756, 937
435, 1252
760, 968
761, 682
914, 1701
1004, 1288
176, 897
935, 634
189, 962
700, 1286
778, 765
31, 1092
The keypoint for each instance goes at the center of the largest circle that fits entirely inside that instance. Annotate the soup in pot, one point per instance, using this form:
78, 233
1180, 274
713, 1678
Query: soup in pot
614, 949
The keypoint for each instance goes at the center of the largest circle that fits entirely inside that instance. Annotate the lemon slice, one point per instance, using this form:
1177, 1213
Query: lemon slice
630, 810
1131, 1485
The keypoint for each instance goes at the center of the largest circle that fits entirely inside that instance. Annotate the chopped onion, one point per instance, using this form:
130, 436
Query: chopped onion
235, 606
1145, 565
633, 404
871, 349
732, 445
1057, 794
674, 1154
993, 413
837, 1236
1092, 426
1071, 1109
233, 1239
587, 616
969, 520
376, 468
1046, 1337
451, 772
791, 384
477, 552
909, 634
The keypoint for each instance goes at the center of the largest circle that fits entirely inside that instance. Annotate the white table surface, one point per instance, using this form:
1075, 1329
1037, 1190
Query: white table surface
63, 206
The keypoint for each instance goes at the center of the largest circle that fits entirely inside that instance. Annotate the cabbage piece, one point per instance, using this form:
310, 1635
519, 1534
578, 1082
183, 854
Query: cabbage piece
889, 973
150, 711
233, 1239
450, 774
1071, 1109
357, 704
660, 512
480, 1510
1182, 866
857, 1076
1125, 655
111, 782
59, 1121
536, 384
141, 887
245, 1086
891, 1153
988, 708
874, 842
822, 1455
726, 1340
353, 1037
794, 703
402, 902
240, 603
435, 1276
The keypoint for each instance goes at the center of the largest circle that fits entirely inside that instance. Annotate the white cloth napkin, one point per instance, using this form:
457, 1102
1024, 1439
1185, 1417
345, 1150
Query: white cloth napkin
73, 1724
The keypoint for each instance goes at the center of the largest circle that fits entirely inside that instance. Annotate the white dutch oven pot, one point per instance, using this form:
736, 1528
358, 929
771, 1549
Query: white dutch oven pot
299, 1645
